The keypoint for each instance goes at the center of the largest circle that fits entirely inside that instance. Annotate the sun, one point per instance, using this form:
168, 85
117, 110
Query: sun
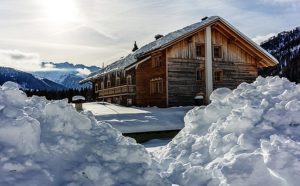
61, 11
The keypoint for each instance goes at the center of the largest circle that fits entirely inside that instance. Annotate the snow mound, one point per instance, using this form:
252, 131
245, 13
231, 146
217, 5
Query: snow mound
248, 136
77, 98
49, 143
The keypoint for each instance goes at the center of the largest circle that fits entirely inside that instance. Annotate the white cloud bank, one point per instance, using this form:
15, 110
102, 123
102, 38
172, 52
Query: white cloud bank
260, 38
20, 60
83, 71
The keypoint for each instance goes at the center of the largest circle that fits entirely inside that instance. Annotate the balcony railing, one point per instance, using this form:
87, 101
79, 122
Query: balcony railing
115, 91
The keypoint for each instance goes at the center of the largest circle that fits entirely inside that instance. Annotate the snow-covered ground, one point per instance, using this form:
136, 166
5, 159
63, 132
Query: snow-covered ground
155, 146
137, 119
248, 136
49, 143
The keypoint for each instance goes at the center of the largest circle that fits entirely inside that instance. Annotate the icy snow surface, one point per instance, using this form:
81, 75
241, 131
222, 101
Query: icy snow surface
138, 119
155, 146
248, 136
49, 143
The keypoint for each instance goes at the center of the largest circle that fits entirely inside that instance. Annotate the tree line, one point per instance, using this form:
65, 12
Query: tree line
62, 94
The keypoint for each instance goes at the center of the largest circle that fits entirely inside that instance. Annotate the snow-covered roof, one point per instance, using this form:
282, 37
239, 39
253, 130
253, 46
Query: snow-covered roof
165, 40
132, 58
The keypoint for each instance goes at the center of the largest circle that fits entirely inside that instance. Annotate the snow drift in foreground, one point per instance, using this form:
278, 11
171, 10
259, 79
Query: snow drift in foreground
248, 136
49, 143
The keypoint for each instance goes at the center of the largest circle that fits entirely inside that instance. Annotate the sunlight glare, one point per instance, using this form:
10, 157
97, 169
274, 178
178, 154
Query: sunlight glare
61, 11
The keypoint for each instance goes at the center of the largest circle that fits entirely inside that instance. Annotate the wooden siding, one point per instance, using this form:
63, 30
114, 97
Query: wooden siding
234, 73
186, 49
119, 98
236, 65
182, 83
144, 73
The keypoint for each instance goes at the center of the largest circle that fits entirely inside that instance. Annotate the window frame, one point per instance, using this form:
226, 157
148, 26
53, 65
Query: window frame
129, 77
96, 87
102, 85
220, 75
157, 61
220, 51
201, 54
200, 74
118, 81
156, 86
108, 84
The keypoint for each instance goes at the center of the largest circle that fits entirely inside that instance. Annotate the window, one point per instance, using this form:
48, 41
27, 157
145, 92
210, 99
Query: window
217, 52
200, 50
218, 75
102, 85
129, 80
156, 86
118, 81
156, 61
96, 87
108, 83
200, 74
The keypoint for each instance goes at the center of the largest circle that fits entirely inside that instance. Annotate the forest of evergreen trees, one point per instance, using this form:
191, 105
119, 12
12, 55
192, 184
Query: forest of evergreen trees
285, 47
62, 94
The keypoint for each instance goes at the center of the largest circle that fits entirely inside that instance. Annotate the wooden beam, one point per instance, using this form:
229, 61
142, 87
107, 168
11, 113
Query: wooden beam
241, 41
208, 63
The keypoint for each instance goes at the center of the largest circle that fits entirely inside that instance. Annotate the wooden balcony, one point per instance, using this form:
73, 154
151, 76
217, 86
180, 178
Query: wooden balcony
117, 91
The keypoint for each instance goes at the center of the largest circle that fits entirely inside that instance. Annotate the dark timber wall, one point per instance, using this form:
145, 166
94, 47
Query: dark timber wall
183, 85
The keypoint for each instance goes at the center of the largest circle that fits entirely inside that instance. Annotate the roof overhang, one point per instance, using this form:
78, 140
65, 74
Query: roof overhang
239, 37
252, 46
263, 57
134, 65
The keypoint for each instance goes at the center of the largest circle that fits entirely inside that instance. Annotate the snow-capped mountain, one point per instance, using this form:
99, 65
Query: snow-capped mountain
27, 80
285, 46
67, 74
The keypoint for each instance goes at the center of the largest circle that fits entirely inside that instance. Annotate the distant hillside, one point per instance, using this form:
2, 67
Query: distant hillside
27, 80
67, 65
67, 74
285, 47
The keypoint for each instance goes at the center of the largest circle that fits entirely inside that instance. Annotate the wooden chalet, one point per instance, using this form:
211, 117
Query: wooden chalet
176, 68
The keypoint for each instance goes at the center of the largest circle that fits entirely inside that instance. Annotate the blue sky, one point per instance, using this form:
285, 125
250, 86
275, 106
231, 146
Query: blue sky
93, 32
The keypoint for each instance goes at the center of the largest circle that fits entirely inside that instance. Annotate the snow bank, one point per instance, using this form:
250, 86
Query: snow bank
248, 136
49, 143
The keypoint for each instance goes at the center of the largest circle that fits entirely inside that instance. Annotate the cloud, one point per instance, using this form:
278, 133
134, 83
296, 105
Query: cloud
260, 38
20, 60
107, 29
49, 65
281, 1
83, 71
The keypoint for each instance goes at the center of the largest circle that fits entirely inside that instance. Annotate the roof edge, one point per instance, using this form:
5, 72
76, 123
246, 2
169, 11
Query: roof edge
250, 41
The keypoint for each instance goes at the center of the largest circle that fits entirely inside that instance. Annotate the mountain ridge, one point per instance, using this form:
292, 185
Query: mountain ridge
66, 73
28, 81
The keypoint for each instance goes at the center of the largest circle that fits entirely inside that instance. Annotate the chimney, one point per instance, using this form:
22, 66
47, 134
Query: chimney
204, 18
157, 36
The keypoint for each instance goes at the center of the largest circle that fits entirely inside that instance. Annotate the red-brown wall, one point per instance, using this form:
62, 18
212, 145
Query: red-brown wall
144, 73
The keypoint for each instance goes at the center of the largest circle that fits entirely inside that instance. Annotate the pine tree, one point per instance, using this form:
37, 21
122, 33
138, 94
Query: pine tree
135, 47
